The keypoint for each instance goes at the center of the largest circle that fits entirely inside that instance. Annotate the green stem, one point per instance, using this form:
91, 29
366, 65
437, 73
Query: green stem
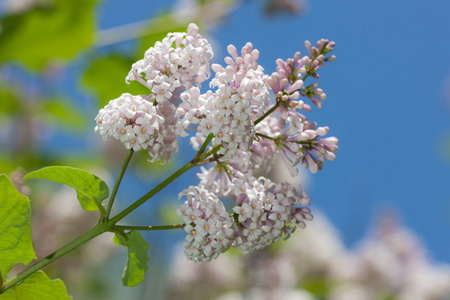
265, 136
212, 151
163, 184
116, 185
150, 194
162, 227
268, 112
97, 230
202, 149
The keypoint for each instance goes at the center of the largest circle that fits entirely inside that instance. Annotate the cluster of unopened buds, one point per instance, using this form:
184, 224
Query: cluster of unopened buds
239, 128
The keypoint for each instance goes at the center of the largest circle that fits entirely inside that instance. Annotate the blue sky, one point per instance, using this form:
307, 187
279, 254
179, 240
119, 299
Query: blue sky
386, 103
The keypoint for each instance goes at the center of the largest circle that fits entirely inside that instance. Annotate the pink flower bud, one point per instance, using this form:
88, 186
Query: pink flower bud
233, 51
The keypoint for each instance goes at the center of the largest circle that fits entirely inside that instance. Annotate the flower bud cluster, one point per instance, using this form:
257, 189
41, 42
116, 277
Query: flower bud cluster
316, 151
288, 81
138, 124
303, 146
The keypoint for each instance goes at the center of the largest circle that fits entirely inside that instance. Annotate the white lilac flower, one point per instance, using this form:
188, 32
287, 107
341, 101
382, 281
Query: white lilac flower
209, 227
194, 106
179, 61
138, 124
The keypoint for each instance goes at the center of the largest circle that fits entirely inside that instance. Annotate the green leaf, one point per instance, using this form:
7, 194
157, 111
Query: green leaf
106, 75
47, 32
15, 227
91, 190
7, 295
37, 286
136, 265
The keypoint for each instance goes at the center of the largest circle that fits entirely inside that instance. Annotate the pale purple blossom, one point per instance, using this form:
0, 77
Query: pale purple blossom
138, 124
266, 212
179, 61
208, 225
241, 96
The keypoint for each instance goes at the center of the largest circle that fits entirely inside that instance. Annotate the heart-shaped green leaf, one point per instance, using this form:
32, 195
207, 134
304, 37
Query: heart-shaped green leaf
91, 190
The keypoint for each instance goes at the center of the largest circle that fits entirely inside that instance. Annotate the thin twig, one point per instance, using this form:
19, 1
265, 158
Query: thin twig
140, 29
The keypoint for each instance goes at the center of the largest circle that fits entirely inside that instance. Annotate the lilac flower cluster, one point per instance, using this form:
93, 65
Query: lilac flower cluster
177, 62
267, 212
209, 226
236, 123
230, 111
264, 213
138, 124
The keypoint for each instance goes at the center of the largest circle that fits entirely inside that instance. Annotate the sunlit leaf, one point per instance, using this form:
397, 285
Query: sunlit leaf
47, 32
136, 265
37, 286
15, 227
106, 76
91, 190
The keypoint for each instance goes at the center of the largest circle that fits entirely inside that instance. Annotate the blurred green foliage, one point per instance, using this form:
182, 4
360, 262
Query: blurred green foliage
106, 76
9, 104
61, 112
55, 31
